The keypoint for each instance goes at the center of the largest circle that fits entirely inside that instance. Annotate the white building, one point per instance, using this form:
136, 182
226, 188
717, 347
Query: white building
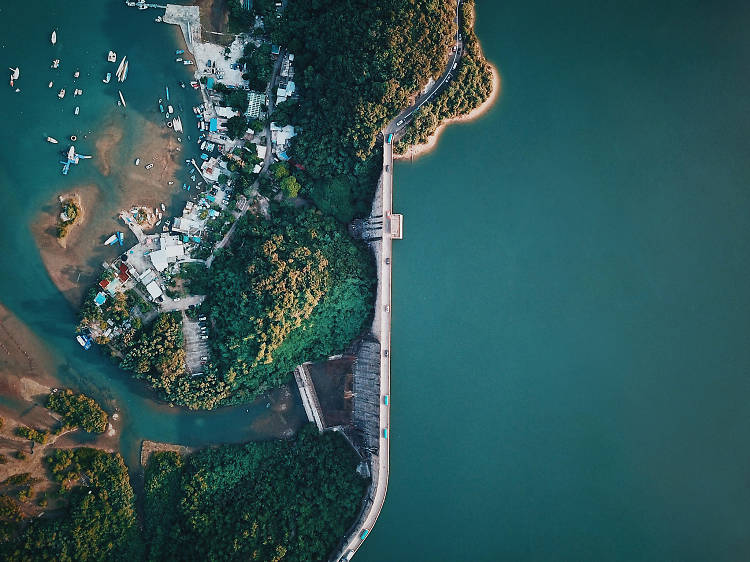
280, 136
170, 250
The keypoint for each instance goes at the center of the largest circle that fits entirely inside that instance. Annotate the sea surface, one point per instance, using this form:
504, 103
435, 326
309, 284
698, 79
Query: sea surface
571, 307
30, 180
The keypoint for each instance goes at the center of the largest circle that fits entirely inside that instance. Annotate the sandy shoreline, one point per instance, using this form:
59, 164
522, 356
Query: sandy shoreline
74, 266
418, 150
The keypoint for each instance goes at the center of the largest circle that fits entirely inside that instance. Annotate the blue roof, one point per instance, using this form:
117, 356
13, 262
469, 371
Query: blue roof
211, 198
210, 83
284, 156
213, 125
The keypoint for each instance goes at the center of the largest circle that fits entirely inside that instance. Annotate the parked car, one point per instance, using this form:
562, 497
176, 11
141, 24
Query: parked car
204, 337
201, 318
204, 358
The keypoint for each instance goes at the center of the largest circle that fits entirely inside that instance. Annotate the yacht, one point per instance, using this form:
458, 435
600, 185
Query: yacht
54, 37
50, 139
61, 93
112, 57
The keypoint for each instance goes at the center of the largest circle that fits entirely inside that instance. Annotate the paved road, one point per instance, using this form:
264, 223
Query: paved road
398, 124
367, 522
266, 161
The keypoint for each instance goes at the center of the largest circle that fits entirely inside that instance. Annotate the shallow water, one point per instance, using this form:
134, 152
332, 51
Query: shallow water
30, 180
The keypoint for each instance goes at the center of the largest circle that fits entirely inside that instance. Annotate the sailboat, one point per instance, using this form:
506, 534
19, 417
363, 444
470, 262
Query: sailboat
120, 68
122, 99
54, 37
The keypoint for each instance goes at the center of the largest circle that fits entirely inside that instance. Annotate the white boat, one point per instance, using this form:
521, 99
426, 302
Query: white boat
124, 73
77, 110
137, 161
187, 62
76, 74
108, 78
111, 240
50, 139
177, 124
169, 109
112, 56
50, 84
122, 99
61, 93
55, 63
158, 19
16, 73
54, 37
120, 68
178, 59
163, 207
149, 166
72, 153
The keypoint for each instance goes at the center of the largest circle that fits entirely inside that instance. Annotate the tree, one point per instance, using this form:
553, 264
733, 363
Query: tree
236, 126
289, 186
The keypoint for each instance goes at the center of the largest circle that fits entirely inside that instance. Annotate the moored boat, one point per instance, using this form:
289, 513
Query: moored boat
85, 341
53, 38
137, 161
55, 63
111, 240
61, 93
77, 110
112, 56
179, 52
108, 78
122, 99
163, 207
50, 139
50, 84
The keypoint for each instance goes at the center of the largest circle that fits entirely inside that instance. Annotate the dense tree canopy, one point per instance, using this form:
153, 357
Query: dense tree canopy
358, 63
292, 289
98, 519
283, 500
78, 410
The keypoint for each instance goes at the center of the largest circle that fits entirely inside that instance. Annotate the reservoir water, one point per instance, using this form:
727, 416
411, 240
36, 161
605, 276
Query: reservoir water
570, 366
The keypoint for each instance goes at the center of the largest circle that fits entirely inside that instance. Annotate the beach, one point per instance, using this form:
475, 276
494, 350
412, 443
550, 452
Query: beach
418, 150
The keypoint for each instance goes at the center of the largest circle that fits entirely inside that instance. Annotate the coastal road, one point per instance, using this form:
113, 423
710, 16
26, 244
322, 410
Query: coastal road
266, 161
400, 122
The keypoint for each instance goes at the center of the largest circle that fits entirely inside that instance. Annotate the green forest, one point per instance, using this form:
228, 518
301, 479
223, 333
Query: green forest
285, 500
78, 410
290, 289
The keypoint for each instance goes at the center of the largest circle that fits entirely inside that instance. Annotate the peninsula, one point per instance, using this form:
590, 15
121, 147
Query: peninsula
276, 268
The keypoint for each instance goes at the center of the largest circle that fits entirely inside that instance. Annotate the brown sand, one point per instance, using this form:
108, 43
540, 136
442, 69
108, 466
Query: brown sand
25, 365
417, 150
149, 447
75, 268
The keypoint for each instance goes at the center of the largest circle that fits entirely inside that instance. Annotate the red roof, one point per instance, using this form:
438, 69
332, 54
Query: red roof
103, 283
123, 273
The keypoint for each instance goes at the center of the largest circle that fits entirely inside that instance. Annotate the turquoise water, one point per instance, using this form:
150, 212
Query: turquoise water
570, 303
30, 179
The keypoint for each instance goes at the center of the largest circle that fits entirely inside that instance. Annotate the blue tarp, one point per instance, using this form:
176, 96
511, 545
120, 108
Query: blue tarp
284, 156
204, 156
211, 198
213, 125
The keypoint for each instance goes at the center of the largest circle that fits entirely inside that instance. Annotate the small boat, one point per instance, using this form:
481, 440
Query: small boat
72, 153
108, 78
163, 208
158, 214
85, 341
122, 99
187, 62
179, 52
194, 84
76, 74
61, 93
170, 110
112, 56
158, 222
54, 37
111, 240
120, 68
149, 166
169, 183
161, 108
137, 161
50, 84
182, 84
50, 139
167, 89
125, 72
56, 63
169, 124
158, 19
16, 73
178, 59
77, 110
119, 238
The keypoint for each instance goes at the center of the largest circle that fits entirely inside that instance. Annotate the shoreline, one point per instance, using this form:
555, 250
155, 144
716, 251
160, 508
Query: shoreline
415, 151
79, 221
